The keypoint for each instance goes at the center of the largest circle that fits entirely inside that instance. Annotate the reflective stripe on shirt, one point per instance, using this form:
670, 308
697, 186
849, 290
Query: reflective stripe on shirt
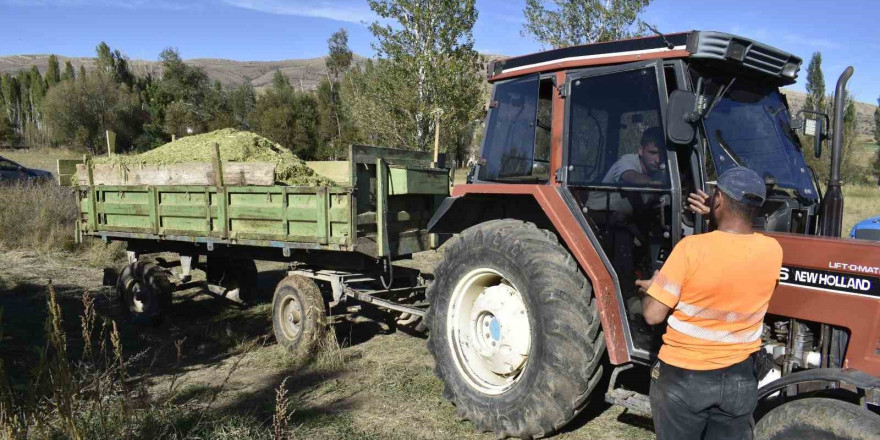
747, 319
695, 331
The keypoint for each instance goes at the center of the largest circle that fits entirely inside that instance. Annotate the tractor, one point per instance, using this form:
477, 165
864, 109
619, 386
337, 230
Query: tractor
534, 311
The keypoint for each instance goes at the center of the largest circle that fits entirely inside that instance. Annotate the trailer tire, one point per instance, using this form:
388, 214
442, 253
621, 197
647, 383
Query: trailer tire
541, 393
235, 278
818, 418
145, 292
298, 315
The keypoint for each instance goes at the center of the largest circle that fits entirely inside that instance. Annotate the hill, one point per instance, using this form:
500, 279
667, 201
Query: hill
303, 73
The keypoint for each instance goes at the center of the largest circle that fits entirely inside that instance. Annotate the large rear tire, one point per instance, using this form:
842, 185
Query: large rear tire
514, 331
298, 315
818, 418
145, 292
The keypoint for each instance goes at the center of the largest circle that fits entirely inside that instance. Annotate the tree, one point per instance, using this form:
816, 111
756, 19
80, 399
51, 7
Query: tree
82, 71
339, 59
573, 22
68, 74
80, 111
114, 63
53, 72
242, 101
815, 84
187, 85
430, 67
287, 117
877, 123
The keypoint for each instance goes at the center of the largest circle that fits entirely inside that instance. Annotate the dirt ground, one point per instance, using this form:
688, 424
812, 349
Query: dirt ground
374, 384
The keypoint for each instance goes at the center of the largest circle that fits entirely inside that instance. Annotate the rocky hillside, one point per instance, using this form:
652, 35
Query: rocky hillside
304, 73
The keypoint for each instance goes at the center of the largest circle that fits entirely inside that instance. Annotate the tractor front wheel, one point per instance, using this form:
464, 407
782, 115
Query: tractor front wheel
514, 330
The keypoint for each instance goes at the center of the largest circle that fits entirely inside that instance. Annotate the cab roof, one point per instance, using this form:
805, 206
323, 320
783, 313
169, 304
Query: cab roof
706, 45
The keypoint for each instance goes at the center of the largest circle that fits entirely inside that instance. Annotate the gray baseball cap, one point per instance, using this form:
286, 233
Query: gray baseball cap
743, 185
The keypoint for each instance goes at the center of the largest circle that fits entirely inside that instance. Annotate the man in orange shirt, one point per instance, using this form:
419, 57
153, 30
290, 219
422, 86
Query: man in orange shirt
717, 286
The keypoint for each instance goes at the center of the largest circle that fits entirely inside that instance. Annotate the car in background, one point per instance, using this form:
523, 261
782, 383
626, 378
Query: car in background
12, 172
867, 229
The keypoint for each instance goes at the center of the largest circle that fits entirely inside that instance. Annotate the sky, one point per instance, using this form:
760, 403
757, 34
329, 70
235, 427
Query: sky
844, 31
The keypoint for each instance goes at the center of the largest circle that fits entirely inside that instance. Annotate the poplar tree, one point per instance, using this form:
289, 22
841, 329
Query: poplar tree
53, 72
68, 74
429, 58
815, 84
877, 123
563, 23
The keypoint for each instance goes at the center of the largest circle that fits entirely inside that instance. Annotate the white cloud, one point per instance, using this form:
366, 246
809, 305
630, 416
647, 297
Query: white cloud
125, 4
348, 11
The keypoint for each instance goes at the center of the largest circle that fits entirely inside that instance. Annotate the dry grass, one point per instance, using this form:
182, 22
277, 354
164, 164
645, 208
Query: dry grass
41, 217
859, 203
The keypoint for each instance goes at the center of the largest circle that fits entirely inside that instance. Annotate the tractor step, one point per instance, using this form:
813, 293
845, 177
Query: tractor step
632, 400
629, 399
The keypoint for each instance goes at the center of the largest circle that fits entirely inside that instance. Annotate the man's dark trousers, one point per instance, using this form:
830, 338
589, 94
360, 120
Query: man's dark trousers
712, 404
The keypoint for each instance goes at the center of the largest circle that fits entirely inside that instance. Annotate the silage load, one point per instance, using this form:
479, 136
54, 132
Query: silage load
235, 146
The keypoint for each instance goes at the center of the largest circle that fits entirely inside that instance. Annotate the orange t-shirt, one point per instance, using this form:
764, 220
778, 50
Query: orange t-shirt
719, 285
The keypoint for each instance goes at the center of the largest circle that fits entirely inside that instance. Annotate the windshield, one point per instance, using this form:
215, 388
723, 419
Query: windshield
750, 126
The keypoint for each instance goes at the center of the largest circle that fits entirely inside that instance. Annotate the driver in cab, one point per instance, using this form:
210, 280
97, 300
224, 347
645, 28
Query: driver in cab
646, 167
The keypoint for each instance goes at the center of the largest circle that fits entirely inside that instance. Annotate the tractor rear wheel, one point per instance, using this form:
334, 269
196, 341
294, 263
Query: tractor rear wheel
145, 292
514, 331
298, 315
818, 418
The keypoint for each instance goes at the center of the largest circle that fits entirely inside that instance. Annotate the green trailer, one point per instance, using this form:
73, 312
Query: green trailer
340, 240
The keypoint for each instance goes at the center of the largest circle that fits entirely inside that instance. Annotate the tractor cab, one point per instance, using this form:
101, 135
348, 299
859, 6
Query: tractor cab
628, 129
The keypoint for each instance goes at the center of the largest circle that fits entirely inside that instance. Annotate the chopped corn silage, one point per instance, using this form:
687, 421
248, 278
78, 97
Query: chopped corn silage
235, 146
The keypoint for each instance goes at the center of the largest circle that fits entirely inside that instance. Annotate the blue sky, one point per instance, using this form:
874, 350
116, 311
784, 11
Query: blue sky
282, 29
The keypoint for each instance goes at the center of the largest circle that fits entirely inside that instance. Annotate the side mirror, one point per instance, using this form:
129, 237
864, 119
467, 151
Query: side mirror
679, 117
813, 124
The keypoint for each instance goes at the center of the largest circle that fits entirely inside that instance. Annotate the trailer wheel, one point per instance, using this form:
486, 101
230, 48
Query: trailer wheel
145, 292
298, 315
514, 331
233, 278
818, 418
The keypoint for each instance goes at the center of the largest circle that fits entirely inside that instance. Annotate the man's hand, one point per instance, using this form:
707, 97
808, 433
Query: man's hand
698, 202
653, 311
644, 285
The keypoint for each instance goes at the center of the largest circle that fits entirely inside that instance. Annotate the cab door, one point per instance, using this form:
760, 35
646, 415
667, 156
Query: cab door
623, 178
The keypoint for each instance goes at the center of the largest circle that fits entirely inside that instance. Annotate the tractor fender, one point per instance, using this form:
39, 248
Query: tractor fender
544, 206
856, 378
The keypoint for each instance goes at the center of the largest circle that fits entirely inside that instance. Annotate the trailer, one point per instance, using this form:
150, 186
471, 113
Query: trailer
340, 241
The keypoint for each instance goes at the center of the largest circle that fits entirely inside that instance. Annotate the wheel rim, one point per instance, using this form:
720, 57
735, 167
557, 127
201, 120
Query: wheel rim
291, 317
139, 297
488, 331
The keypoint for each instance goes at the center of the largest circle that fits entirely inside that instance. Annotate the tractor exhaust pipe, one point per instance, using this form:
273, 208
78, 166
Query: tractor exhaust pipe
831, 210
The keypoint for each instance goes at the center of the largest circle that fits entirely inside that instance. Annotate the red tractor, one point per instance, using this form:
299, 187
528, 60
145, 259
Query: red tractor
534, 304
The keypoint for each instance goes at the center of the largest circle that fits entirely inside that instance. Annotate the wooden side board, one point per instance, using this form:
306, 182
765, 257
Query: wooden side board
195, 173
